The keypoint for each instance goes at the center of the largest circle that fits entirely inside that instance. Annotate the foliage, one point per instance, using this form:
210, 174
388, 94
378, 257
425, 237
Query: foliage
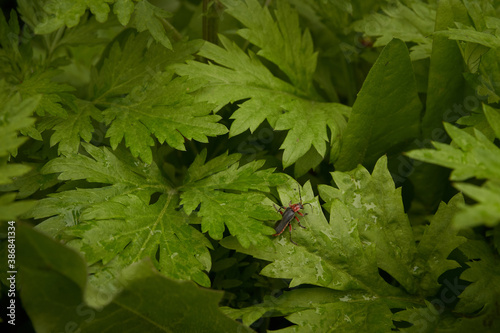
410, 23
63, 277
140, 163
471, 156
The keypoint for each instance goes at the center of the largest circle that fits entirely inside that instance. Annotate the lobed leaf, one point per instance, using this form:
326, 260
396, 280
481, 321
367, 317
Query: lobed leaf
151, 18
293, 106
412, 22
486, 211
155, 104
366, 231
117, 225
54, 97
69, 131
472, 155
483, 273
15, 115
68, 13
331, 254
432, 255
321, 310
125, 229
132, 62
381, 218
226, 196
271, 99
164, 110
473, 36
283, 43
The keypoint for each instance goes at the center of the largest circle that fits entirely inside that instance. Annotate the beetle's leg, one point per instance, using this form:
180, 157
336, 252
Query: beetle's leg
298, 221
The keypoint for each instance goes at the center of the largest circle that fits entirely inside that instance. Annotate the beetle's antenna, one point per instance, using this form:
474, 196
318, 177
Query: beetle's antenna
300, 195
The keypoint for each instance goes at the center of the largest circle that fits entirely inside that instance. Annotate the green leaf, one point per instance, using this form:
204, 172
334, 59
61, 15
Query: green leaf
468, 34
66, 12
164, 109
104, 220
54, 278
471, 156
493, 116
155, 104
484, 274
339, 255
15, 115
486, 321
283, 43
151, 18
133, 62
126, 229
486, 84
10, 209
30, 182
386, 112
477, 121
9, 34
432, 258
445, 87
480, 12
381, 218
104, 166
173, 306
307, 162
332, 254
306, 128
366, 232
294, 107
487, 209
70, 130
63, 210
410, 23
427, 319
270, 98
322, 310
12, 171
117, 225
444, 99
60, 276
53, 95
127, 176
89, 32
123, 9
224, 190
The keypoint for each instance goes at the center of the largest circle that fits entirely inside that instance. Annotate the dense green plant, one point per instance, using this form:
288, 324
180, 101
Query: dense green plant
143, 145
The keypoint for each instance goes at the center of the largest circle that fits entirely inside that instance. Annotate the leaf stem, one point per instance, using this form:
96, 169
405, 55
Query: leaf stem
211, 13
